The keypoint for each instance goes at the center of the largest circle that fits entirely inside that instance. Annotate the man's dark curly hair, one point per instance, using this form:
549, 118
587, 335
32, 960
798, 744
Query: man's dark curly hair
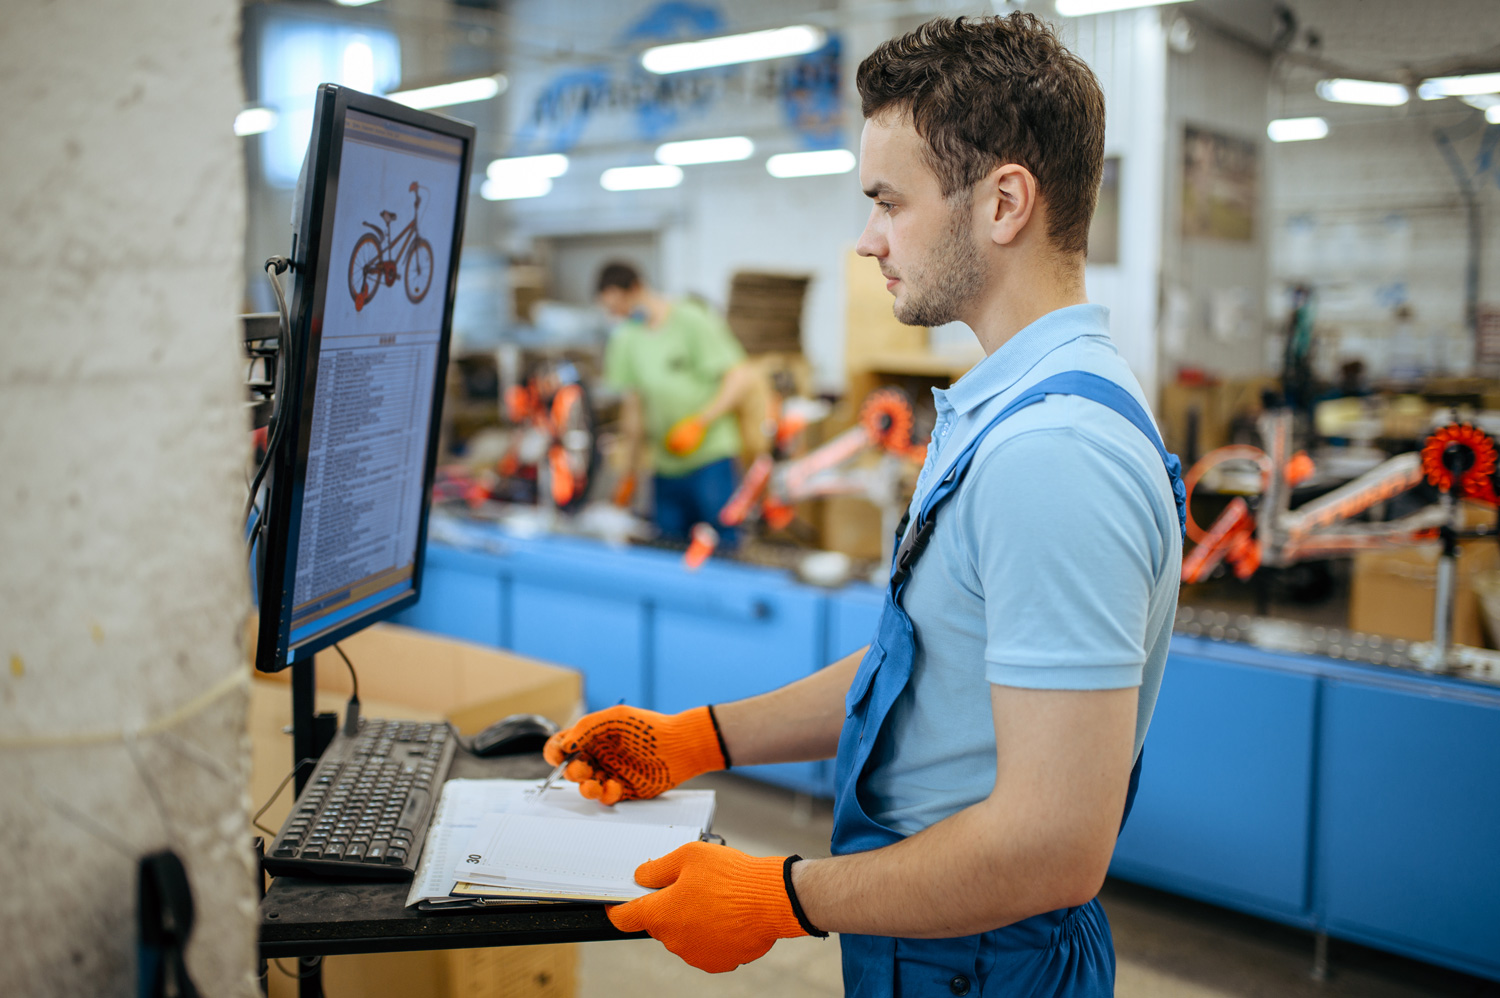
991, 90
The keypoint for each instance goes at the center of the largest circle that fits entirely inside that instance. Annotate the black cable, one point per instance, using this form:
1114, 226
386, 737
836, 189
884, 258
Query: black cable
286, 364
351, 713
353, 676
255, 820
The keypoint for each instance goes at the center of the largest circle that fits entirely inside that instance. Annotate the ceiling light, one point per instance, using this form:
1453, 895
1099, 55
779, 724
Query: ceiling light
640, 178
353, 3
1363, 92
510, 188
553, 164
725, 150
254, 120
776, 43
444, 94
1481, 102
1459, 86
1296, 129
1080, 8
810, 164
1493, 114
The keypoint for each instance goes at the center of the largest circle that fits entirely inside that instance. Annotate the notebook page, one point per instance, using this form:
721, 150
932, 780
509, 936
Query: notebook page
558, 853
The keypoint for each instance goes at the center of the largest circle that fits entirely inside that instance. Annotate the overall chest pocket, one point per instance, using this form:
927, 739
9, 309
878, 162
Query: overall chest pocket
863, 678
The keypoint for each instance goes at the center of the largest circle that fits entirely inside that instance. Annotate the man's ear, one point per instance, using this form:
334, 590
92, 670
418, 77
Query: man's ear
1011, 194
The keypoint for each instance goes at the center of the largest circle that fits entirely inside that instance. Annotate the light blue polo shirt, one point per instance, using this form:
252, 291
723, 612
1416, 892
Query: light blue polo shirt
1055, 566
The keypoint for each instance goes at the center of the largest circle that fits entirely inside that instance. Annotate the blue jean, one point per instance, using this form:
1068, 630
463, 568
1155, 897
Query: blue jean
696, 497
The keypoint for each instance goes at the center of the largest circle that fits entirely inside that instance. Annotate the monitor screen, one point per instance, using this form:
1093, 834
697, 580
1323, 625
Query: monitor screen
382, 226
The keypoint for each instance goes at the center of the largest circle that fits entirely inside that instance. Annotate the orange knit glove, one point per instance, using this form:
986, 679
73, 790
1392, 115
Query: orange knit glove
686, 436
625, 753
717, 907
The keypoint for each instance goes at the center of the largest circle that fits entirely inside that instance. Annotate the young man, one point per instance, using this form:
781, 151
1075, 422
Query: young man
987, 740
682, 373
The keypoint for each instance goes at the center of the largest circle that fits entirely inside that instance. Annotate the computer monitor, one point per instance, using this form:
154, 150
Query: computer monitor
376, 263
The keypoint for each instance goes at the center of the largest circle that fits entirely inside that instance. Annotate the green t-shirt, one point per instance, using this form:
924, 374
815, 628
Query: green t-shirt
676, 370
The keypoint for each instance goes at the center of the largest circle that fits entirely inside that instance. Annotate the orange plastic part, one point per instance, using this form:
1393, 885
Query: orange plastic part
564, 485
705, 541
1476, 483
887, 417
748, 492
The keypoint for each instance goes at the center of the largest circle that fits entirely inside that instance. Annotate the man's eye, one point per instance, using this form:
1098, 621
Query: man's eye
885, 206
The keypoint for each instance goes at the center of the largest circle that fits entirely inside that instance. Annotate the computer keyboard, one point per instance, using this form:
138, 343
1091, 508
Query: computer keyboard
364, 811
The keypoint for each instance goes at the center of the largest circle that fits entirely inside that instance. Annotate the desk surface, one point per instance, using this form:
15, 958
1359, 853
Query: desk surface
306, 917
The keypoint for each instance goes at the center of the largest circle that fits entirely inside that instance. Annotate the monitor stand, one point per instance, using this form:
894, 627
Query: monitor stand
311, 731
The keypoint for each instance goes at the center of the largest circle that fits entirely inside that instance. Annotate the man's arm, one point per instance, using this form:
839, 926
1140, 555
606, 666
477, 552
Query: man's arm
732, 387
796, 723
1042, 840
632, 431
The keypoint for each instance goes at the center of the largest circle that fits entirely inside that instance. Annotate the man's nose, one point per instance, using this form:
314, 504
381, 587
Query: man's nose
871, 242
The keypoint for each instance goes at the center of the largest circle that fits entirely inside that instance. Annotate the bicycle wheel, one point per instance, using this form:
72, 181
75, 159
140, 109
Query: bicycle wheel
418, 270
364, 273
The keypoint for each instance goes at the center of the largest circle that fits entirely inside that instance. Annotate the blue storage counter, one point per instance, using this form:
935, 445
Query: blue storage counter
1358, 800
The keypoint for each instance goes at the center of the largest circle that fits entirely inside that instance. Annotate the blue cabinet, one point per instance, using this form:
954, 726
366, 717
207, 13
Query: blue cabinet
853, 613
1408, 836
1225, 798
601, 636
739, 637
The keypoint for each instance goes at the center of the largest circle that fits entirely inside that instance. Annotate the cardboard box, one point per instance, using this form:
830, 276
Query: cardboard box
470, 685
410, 674
1392, 592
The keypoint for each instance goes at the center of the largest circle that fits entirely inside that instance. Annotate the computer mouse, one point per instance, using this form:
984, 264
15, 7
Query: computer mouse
513, 735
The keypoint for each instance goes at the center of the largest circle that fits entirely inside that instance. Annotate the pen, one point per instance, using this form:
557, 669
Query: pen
554, 776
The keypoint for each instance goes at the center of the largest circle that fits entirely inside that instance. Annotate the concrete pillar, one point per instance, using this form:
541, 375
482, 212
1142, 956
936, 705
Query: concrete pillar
123, 444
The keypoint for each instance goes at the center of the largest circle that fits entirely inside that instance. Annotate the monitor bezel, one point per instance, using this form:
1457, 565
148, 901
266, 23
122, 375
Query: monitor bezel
288, 472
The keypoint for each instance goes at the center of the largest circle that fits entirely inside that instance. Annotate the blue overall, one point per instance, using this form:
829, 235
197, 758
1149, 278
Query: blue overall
1067, 952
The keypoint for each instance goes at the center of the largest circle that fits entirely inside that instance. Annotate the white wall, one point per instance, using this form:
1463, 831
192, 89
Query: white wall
1375, 206
1127, 51
123, 441
1220, 86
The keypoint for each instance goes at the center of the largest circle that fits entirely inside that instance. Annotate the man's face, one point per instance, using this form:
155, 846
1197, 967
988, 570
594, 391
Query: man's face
926, 244
616, 301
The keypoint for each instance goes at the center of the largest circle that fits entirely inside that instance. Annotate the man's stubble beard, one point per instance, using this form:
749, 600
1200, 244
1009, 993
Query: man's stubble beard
939, 288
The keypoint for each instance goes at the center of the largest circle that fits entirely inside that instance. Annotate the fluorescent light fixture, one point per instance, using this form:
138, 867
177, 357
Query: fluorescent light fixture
726, 150
444, 94
1492, 115
552, 164
640, 178
1082, 8
254, 120
1363, 92
518, 186
1296, 129
1459, 86
353, 3
810, 164
726, 50
1481, 102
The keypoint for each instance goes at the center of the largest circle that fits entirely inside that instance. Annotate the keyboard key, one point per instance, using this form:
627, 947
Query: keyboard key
395, 857
375, 853
355, 852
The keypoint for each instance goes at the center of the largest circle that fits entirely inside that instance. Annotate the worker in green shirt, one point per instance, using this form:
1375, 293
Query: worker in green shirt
682, 373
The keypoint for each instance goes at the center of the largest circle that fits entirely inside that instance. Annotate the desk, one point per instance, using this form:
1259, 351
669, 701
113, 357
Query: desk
301, 917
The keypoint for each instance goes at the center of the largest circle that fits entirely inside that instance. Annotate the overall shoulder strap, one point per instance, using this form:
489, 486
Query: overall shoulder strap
1082, 383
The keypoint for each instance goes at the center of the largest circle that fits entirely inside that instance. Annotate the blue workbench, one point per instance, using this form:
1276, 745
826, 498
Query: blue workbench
1361, 801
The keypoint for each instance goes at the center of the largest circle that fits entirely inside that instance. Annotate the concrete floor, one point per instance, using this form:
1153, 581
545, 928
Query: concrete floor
1167, 947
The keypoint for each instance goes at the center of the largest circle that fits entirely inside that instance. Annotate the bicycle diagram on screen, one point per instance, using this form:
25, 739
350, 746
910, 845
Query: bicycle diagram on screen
378, 256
